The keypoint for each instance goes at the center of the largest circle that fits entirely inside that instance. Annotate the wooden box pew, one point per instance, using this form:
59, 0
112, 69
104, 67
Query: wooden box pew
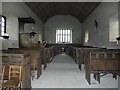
81, 53
52, 51
57, 49
72, 52
46, 56
102, 62
35, 59
77, 55
21, 59
43, 60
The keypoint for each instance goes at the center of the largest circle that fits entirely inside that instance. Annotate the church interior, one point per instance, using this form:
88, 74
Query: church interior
59, 45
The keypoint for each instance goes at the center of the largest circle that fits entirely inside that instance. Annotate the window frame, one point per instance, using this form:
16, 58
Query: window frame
3, 26
113, 28
86, 36
64, 36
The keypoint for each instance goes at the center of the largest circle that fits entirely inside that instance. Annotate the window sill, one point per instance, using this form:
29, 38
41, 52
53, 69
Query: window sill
4, 37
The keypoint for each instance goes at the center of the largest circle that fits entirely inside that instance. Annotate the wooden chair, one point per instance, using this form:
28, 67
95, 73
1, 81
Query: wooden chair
15, 73
2, 69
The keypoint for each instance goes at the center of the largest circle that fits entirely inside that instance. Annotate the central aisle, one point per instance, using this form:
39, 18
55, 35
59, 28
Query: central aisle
62, 72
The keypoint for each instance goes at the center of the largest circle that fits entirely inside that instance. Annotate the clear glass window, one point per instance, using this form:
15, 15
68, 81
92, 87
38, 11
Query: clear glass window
63, 35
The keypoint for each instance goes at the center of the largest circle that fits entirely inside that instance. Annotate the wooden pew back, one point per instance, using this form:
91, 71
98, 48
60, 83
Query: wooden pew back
21, 59
102, 61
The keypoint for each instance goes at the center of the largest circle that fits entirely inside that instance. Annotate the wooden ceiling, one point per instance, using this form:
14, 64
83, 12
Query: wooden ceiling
80, 10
